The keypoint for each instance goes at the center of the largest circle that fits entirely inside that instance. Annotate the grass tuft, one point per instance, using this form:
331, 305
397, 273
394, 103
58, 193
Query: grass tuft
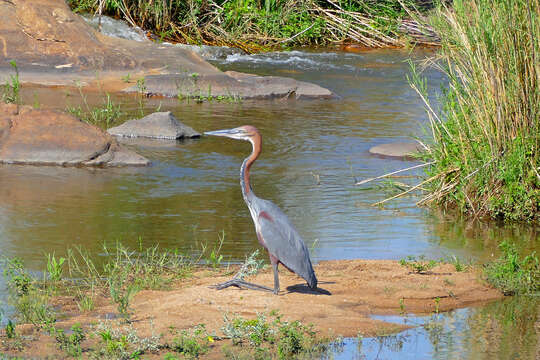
513, 274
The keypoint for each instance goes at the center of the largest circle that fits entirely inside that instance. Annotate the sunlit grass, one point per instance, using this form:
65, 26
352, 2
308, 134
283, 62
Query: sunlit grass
486, 137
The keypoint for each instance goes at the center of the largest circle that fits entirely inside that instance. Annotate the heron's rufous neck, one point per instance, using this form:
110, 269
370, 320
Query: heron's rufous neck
256, 142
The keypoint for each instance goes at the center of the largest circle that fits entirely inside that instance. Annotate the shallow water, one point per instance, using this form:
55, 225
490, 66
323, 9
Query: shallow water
313, 151
500, 330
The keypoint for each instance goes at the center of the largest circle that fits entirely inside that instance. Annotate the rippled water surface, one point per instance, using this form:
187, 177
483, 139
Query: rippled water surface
313, 151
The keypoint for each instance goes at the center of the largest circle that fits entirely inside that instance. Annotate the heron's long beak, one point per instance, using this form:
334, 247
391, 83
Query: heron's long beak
227, 132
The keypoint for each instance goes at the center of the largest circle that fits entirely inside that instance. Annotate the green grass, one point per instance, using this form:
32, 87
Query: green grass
81, 283
270, 337
512, 273
12, 88
71, 344
104, 116
486, 136
192, 343
418, 264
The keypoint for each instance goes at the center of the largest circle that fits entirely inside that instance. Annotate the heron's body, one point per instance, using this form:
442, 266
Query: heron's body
274, 230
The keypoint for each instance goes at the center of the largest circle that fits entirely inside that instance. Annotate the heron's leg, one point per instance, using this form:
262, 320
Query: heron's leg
276, 277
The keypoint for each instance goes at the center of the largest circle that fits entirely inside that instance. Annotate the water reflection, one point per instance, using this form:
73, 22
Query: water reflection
312, 153
500, 330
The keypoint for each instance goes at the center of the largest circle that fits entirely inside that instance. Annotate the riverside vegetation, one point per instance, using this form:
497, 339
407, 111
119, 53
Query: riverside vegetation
77, 286
486, 135
255, 25
43, 302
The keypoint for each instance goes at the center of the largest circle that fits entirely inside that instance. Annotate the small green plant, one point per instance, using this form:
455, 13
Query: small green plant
192, 343
401, 306
54, 267
141, 91
12, 88
70, 344
437, 303
513, 274
215, 258
85, 303
113, 345
263, 337
418, 265
251, 265
123, 343
103, 116
255, 331
10, 330
458, 264
17, 277
126, 78
122, 296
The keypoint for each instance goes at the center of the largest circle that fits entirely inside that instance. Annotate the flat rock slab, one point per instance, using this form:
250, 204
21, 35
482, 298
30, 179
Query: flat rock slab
159, 125
46, 137
400, 150
53, 46
231, 85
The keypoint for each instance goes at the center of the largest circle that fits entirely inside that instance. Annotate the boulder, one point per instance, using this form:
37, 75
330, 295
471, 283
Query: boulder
47, 137
159, 125
399, 150
53, 46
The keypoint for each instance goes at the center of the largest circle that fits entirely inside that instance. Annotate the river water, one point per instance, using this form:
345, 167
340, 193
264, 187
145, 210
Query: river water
313, 151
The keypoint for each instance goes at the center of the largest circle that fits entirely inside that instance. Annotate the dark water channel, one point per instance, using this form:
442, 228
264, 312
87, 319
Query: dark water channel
312, 153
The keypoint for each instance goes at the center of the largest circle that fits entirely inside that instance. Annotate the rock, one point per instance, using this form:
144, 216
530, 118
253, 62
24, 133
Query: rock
53, 46
399, 150
231, 84
46, 137
159, 125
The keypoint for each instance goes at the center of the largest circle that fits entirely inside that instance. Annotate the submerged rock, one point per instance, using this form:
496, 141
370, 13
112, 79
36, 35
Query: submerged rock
159, 125
400, 150
231, 85
47, 137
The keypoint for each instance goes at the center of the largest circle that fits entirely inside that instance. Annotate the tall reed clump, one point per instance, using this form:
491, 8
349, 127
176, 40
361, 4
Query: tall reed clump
486, 135
255, 25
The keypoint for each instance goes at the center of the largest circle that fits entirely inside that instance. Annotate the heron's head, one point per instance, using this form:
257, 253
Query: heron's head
246, 132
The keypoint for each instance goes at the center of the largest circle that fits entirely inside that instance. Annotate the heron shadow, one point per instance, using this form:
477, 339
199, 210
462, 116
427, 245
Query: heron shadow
304, 289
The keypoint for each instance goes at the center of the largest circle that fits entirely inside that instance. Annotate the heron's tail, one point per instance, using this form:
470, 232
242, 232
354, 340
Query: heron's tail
311, 278
312, 281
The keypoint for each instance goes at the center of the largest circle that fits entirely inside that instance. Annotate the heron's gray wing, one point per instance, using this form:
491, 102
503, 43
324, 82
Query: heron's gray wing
283, 241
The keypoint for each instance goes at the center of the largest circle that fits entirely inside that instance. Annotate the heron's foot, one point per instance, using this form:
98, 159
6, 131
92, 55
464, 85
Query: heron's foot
241, 284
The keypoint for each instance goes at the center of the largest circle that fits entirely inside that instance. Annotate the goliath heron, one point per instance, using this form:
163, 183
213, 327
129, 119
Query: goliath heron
274, 230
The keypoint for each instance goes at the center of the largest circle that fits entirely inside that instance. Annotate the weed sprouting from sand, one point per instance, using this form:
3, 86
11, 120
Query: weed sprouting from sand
251, 265
71, 344
123, 342
192, 342
12, 88
264, 336
215, 257
418, 264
